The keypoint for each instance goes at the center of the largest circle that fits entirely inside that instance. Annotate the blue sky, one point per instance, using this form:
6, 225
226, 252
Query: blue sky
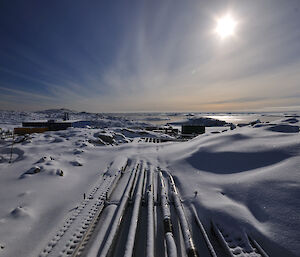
119, 56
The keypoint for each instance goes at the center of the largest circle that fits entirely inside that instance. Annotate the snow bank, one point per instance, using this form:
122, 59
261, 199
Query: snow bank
247, 178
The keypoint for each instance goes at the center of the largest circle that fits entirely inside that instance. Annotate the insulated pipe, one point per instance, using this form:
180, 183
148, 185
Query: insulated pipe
80, 246
144, 193
172, 249
205, 236
221, 239
188, 240
131, 192
118, 216
150, 217
107, 216
112, 187
168, 229
258, 247
135, 216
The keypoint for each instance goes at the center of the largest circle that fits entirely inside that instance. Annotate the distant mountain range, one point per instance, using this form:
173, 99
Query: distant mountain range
61, 110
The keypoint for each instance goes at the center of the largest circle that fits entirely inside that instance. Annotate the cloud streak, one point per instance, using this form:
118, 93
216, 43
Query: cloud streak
151, 56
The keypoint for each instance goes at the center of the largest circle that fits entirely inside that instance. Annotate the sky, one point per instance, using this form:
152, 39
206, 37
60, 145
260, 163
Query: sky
149, 55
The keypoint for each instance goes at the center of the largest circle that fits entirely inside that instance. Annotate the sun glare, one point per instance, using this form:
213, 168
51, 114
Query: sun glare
226, 26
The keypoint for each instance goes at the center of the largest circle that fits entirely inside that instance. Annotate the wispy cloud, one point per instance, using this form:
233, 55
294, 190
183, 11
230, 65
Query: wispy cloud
152, 57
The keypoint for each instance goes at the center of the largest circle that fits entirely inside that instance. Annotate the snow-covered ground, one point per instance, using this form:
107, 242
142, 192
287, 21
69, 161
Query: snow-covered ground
246, 179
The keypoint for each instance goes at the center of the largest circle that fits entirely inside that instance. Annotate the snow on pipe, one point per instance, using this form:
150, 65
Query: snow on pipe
172, 249
221, 239
120, 173
112, 187
168, 229
144, 193
188, 240
205, 236
258, 247
119, 215
131, 192
80, 246
150, 217
96, 245
251, 248
135, 216
93, 249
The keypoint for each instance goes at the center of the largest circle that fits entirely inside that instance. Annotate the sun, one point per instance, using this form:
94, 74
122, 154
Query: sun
226, 26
